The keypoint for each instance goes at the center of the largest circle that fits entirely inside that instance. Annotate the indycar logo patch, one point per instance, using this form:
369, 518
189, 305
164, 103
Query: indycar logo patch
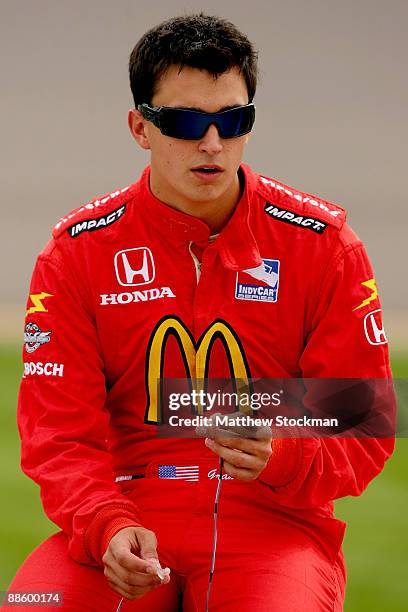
34, 337
91, 225
259, 284
287, 216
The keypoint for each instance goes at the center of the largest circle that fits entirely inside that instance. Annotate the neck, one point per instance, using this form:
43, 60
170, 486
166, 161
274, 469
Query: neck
215, 213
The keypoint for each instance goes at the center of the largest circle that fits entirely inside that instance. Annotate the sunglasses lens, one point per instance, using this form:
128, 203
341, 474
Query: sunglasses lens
236, 122
192, 125
180, 123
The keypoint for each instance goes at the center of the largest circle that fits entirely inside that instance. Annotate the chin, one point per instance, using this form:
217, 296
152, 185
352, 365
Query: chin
204, 193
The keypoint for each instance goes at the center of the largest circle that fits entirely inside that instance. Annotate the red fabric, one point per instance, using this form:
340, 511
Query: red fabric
81, 429
284, 463
105, 524
264, 560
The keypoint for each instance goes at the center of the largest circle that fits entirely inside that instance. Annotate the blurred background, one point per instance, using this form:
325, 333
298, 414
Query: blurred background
331, 120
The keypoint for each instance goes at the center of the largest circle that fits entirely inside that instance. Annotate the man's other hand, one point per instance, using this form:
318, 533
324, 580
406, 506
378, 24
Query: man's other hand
130, 562
245, 450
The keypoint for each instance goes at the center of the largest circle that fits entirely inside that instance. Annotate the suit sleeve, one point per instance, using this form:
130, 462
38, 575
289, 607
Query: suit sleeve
346, 340
62, 419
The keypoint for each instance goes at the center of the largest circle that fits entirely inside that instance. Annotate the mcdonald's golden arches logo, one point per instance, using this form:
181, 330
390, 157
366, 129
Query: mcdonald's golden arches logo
196, 358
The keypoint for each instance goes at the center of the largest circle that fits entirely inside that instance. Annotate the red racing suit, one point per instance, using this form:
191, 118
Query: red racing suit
117, 298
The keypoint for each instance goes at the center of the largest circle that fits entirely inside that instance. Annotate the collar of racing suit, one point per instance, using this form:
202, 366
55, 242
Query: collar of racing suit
235, 243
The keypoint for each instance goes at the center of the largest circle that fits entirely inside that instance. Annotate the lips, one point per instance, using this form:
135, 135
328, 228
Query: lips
208, 168
208, 171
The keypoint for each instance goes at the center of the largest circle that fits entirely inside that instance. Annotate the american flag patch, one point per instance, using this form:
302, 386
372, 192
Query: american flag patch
179, 472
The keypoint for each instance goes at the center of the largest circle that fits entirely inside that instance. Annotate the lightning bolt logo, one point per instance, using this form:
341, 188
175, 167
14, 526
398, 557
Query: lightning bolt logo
37, 299
370, 284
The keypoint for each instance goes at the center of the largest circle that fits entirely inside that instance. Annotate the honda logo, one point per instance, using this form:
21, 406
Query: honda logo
374, 329
134, 267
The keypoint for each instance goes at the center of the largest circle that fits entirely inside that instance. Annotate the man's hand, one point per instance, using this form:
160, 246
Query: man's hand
245, 450
130, 562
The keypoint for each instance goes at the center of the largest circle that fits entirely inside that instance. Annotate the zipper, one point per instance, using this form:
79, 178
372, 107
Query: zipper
197, 263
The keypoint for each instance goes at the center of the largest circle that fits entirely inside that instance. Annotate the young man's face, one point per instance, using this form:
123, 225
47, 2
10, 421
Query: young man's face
173, 178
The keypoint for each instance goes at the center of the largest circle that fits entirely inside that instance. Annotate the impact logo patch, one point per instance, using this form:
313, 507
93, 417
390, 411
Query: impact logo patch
91, 225
260, 283
34, 337
287, 216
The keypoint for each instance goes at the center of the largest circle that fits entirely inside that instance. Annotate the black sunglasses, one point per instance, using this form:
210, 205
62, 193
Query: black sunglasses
192, 125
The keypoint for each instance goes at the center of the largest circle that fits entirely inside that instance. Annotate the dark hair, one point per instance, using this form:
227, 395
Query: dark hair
199, 41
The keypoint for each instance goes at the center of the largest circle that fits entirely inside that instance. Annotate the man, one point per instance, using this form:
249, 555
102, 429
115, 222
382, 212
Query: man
206, 269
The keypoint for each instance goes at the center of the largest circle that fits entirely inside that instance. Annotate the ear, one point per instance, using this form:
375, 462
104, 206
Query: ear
137, 124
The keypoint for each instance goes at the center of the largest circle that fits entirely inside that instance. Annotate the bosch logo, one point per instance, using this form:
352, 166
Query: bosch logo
43, 369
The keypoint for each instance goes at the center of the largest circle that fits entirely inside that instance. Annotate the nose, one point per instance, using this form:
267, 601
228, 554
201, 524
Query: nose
211, 141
